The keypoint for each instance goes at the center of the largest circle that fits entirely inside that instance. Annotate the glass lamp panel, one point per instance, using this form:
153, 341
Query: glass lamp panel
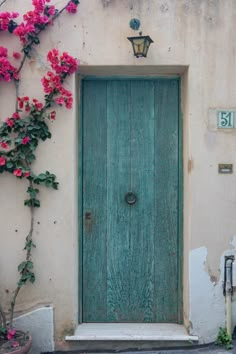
138, 46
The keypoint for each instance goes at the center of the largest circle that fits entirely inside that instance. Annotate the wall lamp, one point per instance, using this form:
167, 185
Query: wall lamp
140, 44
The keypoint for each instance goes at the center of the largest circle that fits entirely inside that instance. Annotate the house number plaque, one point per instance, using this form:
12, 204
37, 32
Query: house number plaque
226, 119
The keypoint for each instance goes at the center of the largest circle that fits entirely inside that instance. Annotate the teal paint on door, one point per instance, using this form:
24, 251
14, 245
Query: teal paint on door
131, 254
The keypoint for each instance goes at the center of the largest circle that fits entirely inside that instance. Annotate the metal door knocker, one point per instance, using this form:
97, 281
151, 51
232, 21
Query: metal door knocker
130, 198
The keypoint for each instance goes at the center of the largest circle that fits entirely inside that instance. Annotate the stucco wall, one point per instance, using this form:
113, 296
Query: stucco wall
193, 38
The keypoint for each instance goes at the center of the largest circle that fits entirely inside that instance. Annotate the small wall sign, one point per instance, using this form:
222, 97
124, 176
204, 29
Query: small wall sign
226, 119
225, 168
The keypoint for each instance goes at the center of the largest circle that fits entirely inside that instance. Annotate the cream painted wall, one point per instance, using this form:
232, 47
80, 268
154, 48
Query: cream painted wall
194, 38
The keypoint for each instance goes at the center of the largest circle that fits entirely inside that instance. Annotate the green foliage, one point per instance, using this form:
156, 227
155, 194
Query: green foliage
47, 178
33, 201
224, 338
26, 271
29, 244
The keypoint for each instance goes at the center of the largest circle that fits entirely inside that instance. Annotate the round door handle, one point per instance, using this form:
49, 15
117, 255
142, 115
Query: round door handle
130, 198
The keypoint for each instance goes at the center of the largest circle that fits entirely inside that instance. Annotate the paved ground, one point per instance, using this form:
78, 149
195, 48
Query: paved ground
210, 349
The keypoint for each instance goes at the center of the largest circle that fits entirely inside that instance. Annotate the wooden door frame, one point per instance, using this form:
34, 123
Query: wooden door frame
180, 190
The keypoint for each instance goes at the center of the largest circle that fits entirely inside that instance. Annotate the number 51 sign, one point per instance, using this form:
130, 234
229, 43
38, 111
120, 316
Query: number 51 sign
226, 119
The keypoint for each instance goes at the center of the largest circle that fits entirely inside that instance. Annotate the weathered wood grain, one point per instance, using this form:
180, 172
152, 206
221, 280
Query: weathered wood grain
94, 202
118, 218
166, 206
131, 258
142, 212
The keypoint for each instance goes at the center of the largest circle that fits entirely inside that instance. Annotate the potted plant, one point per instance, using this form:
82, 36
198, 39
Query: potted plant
23, 130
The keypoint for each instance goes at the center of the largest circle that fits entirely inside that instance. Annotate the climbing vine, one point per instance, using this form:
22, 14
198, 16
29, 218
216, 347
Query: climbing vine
23, 130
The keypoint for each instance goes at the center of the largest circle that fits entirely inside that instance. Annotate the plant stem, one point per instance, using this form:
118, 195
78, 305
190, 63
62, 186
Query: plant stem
27, 258
17, 93
21, 64
2, 2
3, 317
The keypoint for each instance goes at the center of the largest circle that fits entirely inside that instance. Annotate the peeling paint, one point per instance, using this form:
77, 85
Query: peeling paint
190, 165
207, 302
214, 278
205, 298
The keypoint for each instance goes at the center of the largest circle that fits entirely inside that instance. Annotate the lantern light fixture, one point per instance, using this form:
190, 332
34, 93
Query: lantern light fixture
140, 45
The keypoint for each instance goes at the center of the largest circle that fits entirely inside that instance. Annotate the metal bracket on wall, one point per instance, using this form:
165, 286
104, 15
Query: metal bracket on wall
228, 275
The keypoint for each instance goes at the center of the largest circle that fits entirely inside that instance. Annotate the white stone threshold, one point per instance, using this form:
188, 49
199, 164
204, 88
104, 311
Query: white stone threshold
131, 332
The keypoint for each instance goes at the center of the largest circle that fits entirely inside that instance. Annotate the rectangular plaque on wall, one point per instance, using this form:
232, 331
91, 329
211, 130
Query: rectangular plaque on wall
226, 119
225, 168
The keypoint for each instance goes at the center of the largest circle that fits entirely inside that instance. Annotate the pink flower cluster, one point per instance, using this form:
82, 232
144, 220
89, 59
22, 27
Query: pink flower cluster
34, 20
24, 104
2, 161
7, 70
71, 7
52, 83
6, 18
10, 336
19, 173
63, 63
4, 145
10, 121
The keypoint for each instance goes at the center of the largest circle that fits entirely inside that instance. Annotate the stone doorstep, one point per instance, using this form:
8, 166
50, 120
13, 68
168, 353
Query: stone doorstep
131, 332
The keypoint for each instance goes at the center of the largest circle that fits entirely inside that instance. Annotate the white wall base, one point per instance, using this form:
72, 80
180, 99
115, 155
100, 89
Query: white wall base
39, 323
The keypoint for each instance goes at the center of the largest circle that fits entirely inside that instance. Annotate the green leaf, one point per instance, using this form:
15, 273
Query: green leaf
36, 40
55, 185
30, 265
42, 176
9, 164
21, 266
35, 203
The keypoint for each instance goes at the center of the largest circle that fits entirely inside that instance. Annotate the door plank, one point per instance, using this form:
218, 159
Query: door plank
166, 202
94, 202
142, 213
118, 179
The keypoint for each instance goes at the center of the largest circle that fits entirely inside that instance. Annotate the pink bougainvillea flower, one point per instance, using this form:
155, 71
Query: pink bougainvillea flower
69, 102
4, 145
2, 161
7, 71
9, 122
27, 107
16, 55
37, 104
3, 52
25, 140
60, 100
17, 172
5, 18
16, 115
22, 101
11, 333
51, 10
71, 8
53, 115
15, 344
27, 174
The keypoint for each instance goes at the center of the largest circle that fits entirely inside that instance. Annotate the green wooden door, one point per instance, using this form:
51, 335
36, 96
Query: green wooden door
131, 253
